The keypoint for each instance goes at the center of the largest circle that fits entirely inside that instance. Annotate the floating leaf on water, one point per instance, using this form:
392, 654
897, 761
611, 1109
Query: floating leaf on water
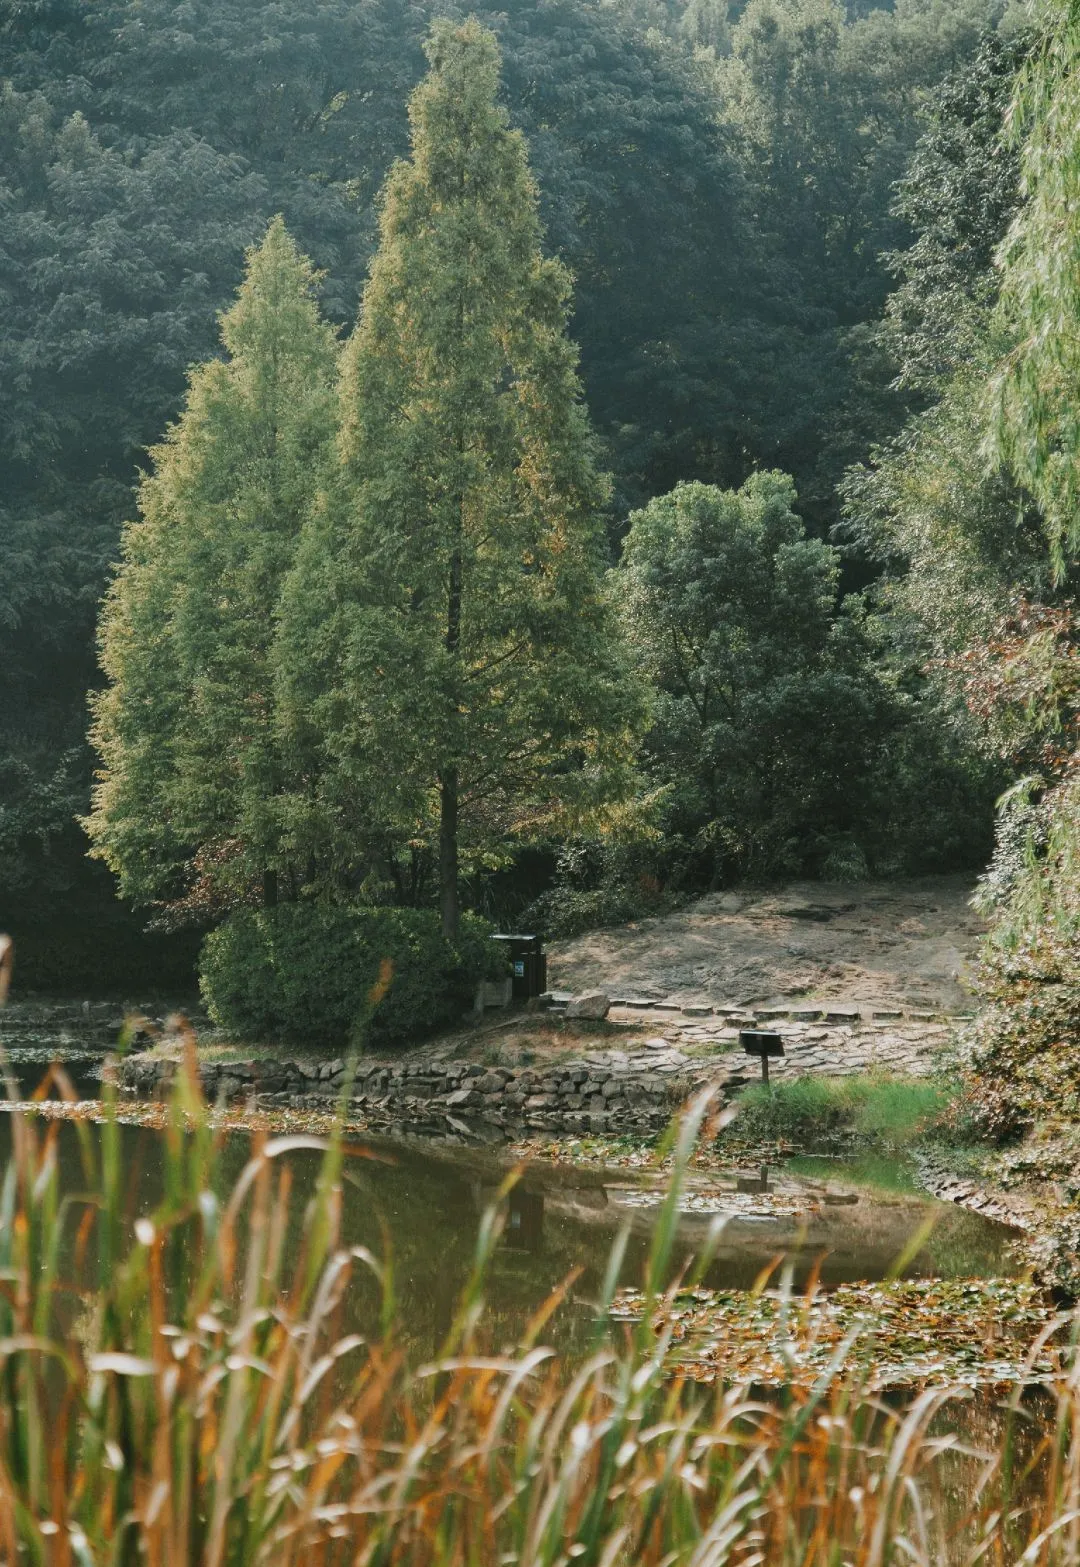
908, 1331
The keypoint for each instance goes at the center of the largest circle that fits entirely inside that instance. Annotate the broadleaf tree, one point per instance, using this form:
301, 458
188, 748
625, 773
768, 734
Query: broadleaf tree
445, 635
186, 807
773, 724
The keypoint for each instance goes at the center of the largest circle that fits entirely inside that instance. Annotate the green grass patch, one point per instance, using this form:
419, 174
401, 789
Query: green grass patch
808, 1111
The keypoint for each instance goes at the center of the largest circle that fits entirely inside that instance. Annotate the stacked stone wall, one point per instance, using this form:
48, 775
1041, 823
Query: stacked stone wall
491, 1103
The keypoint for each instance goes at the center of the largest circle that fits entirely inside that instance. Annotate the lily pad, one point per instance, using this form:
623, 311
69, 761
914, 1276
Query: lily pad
975, 1332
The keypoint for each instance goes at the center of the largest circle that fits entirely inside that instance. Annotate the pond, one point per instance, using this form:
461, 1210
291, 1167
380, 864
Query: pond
833, 1220
846, 1222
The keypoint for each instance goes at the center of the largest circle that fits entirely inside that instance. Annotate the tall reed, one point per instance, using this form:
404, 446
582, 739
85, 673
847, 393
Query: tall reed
177, 1389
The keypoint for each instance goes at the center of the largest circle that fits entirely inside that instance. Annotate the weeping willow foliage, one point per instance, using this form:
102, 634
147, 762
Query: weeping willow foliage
1036, 428
1024, 1057
1037, 389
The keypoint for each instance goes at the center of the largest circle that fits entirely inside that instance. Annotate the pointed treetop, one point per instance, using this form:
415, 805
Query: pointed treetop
464, 77
279, 281
460, 133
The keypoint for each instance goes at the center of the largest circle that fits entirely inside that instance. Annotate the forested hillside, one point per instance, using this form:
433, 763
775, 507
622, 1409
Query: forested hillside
594, 480
779, 222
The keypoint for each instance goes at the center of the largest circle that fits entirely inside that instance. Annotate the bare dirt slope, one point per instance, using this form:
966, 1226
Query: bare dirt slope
908, 944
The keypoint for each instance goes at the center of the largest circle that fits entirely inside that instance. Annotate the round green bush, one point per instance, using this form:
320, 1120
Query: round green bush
313, 975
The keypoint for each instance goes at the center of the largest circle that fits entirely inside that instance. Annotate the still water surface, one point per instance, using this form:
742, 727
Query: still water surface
425, 1203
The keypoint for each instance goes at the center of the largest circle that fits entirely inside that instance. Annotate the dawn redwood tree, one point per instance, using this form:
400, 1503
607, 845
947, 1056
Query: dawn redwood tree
186, 807
445, 633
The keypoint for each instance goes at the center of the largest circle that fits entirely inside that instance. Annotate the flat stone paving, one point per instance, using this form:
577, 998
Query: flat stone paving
906, 1046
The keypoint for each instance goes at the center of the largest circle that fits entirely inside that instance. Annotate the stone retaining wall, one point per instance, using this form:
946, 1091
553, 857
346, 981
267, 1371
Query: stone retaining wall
463, 1100
88, 1024
1011, 1208
92, 1025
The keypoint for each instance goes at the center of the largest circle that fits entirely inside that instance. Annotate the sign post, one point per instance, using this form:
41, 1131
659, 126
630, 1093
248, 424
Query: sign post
756, 1042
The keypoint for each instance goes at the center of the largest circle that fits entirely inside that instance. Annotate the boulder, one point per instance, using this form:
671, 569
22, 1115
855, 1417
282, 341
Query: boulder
462, 1097
591, 1004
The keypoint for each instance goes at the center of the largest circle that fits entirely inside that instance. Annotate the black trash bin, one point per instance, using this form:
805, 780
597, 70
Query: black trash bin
528, 965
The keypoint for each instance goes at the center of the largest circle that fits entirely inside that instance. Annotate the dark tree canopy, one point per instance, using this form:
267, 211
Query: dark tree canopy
958, 195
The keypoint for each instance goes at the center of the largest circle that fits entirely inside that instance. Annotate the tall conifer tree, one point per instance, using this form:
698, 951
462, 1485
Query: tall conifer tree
193, 773
445, 630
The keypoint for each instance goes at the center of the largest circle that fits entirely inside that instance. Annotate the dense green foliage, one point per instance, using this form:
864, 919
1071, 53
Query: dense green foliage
958, 193
764, 708
720, 186
326, 977
824, 109
1035, 421
1032, 676
972, 512
446, 608
954, 535
782, 743
1023, 1056
193, 768
596, 881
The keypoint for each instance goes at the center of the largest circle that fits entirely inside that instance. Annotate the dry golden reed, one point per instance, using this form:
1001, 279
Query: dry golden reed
177, 1389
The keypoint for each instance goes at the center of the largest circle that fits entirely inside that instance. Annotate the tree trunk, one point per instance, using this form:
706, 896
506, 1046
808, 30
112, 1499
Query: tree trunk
270, 889
448, 778
448, 852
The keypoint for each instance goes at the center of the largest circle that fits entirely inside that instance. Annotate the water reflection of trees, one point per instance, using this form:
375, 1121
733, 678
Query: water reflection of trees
423, 1207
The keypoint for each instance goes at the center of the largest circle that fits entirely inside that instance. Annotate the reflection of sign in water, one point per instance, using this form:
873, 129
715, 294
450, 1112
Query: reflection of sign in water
524, 1220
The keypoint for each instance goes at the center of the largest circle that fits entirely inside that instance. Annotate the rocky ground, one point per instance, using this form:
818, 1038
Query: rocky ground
853, 977
539, 1074
890, 946
831, 1043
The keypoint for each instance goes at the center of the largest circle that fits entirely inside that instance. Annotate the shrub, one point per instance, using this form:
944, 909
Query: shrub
808, 1110
1022, 1066
598, 883
1022, 1056
306, 973
563, 912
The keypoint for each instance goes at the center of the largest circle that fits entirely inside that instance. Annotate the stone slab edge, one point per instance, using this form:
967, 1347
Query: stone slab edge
839, 1012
